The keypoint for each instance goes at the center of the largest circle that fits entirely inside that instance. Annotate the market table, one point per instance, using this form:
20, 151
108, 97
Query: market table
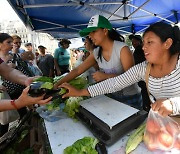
65, 132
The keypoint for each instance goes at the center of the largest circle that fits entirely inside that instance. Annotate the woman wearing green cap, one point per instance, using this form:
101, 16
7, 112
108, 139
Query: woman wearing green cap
112, 56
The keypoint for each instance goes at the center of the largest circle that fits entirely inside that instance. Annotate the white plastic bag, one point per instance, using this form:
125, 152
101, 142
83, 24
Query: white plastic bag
162, 133
53, 115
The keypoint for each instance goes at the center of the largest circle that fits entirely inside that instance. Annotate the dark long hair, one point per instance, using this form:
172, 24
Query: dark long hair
4, 36
113, 35
165, 31
91, 42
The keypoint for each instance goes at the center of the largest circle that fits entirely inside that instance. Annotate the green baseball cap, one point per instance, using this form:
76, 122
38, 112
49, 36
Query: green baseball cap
95, 22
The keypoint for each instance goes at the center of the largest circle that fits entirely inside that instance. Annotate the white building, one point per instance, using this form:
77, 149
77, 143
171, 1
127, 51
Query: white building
18, 28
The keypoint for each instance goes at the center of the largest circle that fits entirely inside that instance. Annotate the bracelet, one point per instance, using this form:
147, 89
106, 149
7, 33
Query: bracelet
13, 104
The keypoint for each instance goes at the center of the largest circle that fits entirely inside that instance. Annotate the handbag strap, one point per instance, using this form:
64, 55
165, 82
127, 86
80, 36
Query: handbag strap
148, 68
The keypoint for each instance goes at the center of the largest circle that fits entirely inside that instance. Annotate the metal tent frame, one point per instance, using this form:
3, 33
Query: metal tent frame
64, 18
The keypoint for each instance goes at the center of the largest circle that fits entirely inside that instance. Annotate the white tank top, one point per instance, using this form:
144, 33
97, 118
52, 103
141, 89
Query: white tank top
114, 66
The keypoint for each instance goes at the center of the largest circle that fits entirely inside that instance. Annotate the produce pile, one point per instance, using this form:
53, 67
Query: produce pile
85, 145
72, 103
161, 137
135, 138
158, 133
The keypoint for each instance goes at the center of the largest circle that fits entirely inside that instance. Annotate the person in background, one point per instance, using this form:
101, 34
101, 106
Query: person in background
79, 57
139, 57
162, 52
30, 57
89, 47
14, 60
73, 58
17, 44
112, 56
138, 51
62, 57
45, 62
29, 49
16, 76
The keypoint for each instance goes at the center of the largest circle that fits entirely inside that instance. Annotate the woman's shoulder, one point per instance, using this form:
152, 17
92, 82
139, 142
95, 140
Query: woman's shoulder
58, 49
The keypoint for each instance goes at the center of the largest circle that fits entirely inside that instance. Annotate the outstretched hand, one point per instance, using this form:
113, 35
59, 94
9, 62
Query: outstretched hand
71, 91
29, 80
163, 107
25, 99
99, 76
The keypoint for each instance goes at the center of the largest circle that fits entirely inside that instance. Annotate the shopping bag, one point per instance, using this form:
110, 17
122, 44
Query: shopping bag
8, 116
162, 133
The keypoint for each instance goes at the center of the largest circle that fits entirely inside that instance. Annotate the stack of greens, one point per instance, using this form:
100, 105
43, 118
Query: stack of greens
47, 82
85, 145
72, 103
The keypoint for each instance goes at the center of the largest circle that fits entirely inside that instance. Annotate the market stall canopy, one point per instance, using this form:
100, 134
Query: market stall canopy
64, 18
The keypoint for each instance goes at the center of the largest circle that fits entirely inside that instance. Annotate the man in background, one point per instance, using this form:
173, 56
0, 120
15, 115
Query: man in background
45, 62
138, 51
138, 58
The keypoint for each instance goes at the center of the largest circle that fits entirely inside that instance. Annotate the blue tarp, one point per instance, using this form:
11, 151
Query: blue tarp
64, 18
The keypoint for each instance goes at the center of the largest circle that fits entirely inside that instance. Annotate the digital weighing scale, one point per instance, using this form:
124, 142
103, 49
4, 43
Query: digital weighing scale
109, 119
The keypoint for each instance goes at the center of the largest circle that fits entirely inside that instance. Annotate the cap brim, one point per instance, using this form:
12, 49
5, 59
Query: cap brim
86, 31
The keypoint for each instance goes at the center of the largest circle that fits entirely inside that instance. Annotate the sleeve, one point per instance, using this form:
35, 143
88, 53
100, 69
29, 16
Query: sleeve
176, 105
133, 75
56, 53
51, 61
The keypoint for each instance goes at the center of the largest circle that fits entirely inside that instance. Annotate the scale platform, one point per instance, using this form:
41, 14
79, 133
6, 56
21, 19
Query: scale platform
109, 119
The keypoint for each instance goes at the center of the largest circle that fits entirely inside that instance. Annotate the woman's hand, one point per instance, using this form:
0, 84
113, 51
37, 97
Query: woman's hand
99, 76
58, 72
73, 92
29, 80
163, 106
25, 99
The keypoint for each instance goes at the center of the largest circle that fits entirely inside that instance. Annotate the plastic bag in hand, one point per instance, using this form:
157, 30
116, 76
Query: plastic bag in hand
53, 115
161, 133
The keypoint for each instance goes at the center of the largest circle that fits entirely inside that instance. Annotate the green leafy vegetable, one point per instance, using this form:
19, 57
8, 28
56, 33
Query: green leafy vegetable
85, 145
44, 79
79, 82
57, 78
62, 91
47, 85
72, 106
54, 105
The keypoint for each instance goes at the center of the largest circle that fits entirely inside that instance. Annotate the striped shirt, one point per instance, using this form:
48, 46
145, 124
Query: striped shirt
167, 87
